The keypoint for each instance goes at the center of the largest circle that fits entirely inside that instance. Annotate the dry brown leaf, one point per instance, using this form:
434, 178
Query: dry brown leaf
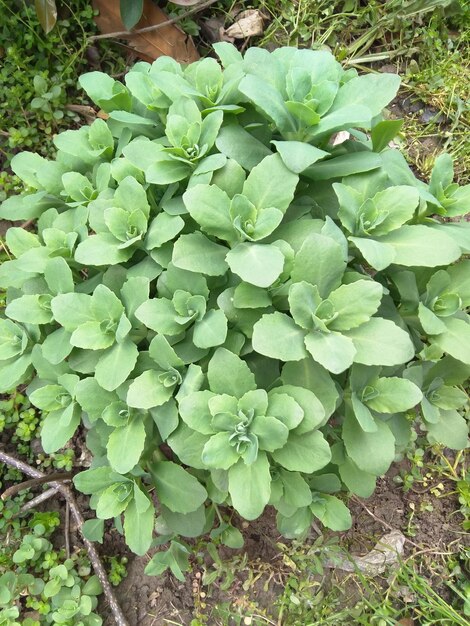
406, 621
249, 23
168, 40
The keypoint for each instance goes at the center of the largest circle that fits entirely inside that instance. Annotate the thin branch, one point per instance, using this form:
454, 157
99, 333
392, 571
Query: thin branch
67, 529
131, 33
42, 497
79, 521
34, 482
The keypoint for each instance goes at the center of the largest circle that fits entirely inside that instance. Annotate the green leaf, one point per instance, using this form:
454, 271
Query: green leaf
228, 374
71, 310
272, 433
296, 490
159, 314
162, 228
197, 253
125, 445
134, 292
218, 453
30, 309
131, 12
311, 375
373, 91
116, 364
176, 558
102, 249
269, 101
297, 156
147, 391
451, 431
456, 339
166, 418
332, 513
296, 525
377, 253
383, 133
176, 488
96, 479
320, 262
59, 427
211, 331
248, 296
371, 452
92, 398
209, 206
355, 303
194, 411
138, 528
20, 240
56, 346
48, 398
307, 453
394, 395
285, 408
250, 486
93, 530
355, 115
276, 335
238, 144
363, 415
189, 525
357, 481
188, 445
431, 324
421, 246
381, 342
344, 165
90, 336
58, 275
334, 351
257, 264
258, 187
314, 413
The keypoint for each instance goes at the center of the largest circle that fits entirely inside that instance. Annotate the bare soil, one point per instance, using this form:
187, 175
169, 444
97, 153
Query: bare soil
150, 601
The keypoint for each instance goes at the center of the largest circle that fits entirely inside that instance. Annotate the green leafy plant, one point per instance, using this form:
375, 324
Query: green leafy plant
237, 308
36, 579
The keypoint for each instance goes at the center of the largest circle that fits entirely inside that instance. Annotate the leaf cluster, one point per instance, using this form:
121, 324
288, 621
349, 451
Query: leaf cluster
239, 309
38, 586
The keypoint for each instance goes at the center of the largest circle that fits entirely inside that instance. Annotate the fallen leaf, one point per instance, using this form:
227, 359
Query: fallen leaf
46, 11
249, 23
169, 40
406, 621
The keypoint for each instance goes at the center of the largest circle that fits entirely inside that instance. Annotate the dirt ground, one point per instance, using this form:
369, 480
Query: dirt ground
159, 601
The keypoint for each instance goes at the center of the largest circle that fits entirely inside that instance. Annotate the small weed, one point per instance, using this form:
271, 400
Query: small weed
117, 569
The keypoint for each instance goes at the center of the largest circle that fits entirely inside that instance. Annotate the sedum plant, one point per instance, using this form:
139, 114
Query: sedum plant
239, 310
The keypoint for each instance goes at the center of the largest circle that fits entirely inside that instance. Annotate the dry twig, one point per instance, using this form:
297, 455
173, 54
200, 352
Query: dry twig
42, 497
34, 482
